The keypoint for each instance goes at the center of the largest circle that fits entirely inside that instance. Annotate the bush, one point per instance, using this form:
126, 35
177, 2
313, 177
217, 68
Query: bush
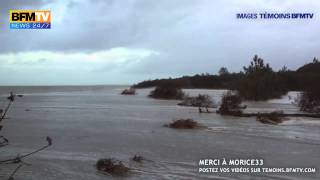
183, 124
130, 91
198, 101
111, 166
230, 104
309, 101
167, 91
273, 118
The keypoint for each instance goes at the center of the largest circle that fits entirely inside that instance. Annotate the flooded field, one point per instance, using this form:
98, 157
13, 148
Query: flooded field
88, 123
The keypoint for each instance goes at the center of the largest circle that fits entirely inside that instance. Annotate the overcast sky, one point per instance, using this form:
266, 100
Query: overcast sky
126, 41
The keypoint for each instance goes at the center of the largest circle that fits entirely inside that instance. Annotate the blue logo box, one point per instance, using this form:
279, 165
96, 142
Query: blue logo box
30, 25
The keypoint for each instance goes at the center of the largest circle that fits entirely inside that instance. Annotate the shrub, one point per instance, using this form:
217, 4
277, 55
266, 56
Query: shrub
273, 118
167, 91
130, 91
309, 101
183, 124
202, 100
230, 104
111, 166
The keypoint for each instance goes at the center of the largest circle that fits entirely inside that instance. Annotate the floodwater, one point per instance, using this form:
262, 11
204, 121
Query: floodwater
88, 123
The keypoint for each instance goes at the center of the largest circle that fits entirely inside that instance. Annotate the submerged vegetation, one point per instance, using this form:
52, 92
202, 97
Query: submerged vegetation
130, 91
137, 158
230, 104
309, 101
184, 124
167, 91
202, 100
272, 118
112, 166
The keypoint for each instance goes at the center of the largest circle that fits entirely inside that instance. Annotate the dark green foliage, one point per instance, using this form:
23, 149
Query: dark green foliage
204, 81
230, 104
309, 79
167, 91
308, 76
260, 82
310, 68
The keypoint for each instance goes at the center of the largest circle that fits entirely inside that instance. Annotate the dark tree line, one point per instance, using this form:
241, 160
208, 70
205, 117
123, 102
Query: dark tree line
257, 81
296, 80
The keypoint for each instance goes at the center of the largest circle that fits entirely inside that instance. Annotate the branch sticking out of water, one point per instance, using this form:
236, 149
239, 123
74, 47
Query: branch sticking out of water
14, 172
19, 158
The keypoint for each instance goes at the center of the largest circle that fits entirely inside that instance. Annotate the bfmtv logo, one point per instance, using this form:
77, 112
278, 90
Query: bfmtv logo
30, 19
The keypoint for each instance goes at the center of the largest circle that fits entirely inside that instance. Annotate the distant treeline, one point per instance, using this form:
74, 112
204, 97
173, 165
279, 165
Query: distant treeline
257, 81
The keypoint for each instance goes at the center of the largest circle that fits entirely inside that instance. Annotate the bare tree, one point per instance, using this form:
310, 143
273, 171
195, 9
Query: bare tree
19, 159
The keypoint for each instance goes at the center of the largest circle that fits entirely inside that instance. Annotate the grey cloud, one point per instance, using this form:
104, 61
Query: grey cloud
192, 36
101, 25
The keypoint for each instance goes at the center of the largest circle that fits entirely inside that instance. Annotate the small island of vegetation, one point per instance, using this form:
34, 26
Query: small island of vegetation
167, 91
231, 104
112, 166
273, 118
130, 91
183, 124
